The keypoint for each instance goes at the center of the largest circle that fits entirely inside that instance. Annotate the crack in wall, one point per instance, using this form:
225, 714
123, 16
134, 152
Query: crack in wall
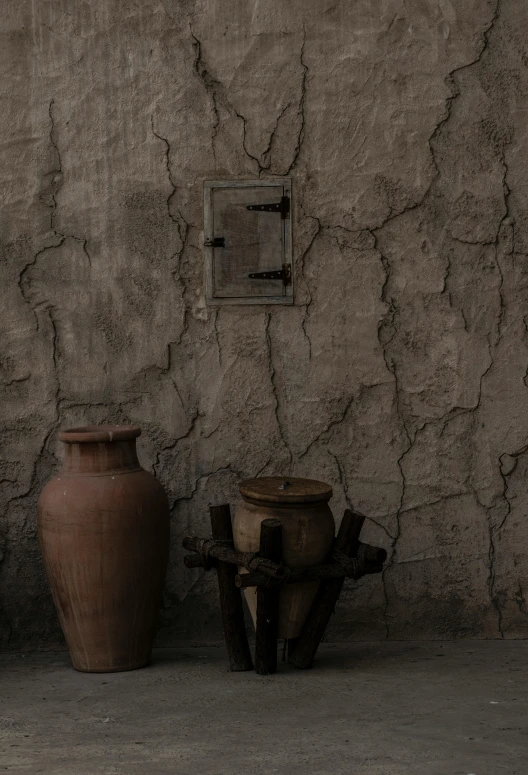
343, 481
223, 469
458, 411
306, 283
444, 420
388, 325
451, 81
491, 579
174, 442
216, 93
491, 563
337, 421
387, 329
182, 227
344, 486
244, 143
272, 374
521, 600
492, 529
495, 529
397, 536
34, 475
342, 478
506, 218
504, 476
59, 170
450, 100
58, 237
210, 85
217, 335
263, 468
167, 156
302, 105
195, 416
16, 380
266, 155
24, 284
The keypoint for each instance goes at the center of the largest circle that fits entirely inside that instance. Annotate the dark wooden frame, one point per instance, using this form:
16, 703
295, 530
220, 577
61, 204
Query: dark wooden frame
209, 187
349, 558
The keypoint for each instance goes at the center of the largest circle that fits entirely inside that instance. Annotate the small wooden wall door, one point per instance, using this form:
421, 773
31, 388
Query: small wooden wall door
247, 231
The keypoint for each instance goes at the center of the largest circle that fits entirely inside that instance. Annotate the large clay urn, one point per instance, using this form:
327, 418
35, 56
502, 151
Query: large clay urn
103, 526
308, 531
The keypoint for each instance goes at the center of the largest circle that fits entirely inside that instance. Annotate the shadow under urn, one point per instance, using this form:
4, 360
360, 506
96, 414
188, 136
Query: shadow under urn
103, 524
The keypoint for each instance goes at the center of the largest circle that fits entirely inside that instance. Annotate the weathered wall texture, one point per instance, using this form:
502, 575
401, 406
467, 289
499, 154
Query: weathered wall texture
399, 375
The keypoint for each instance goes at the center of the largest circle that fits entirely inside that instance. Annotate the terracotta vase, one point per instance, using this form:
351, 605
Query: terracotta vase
308, 531
103, 525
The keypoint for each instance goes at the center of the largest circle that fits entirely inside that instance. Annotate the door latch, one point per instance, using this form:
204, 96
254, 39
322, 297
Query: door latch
216, 242
282, 207
283, 274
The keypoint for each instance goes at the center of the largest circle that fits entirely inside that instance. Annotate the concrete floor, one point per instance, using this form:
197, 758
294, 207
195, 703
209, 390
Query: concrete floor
365, 709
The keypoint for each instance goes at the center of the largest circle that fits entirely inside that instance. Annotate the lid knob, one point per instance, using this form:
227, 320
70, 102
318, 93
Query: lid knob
284, 485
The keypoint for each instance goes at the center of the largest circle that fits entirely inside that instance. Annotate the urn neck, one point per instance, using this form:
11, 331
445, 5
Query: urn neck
111, 457
100, 450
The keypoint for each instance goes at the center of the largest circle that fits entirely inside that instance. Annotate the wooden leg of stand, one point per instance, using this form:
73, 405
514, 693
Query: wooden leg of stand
230, 597
268, 602
302, 652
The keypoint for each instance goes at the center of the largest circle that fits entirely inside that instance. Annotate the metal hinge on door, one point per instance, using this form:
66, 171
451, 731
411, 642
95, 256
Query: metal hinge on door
215, 242
282, 207
283, 274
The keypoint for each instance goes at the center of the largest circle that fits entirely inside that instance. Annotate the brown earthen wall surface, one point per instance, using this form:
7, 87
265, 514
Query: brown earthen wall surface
399, 375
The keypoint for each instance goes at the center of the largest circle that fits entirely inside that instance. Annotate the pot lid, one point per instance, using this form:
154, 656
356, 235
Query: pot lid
285, 489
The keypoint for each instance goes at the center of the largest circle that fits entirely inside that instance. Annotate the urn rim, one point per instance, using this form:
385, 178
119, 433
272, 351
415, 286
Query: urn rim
99, 434
285, 490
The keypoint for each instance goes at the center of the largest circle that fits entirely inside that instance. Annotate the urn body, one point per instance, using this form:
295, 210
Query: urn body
103, 525
308, 531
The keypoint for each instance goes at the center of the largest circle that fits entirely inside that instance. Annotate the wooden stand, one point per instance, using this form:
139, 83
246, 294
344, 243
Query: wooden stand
268, 601
301, 653
230, 600
350, 558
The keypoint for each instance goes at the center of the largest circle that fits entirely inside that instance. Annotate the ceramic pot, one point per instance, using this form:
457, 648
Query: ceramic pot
308, 532
103, 525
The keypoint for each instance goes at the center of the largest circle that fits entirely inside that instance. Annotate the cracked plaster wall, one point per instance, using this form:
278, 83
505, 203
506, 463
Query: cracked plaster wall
399, 375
